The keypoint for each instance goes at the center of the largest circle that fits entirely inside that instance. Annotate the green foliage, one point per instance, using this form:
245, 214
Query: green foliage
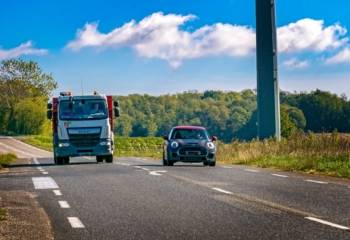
29, 116
3, 214
24, 92
6, 159
230, 115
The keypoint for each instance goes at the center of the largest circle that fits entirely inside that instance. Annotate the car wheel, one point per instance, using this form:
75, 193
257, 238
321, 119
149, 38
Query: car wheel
99, 159
109, 158
66, 160
212, 164
170, 163
205, 163
59, 160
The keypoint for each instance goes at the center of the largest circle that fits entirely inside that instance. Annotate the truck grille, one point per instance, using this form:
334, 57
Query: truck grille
84, 140
193, 151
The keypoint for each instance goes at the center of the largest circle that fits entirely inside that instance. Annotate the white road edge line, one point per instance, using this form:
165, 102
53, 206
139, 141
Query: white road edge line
45, 173
63, 204
327, 223
279, 175
314, 181
222, 191
36, 161
227, 167
57, 192
251, 170
75, 222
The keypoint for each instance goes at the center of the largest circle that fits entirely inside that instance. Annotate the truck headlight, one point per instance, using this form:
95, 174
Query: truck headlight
210, 145
174, 144
106, 143
63, 145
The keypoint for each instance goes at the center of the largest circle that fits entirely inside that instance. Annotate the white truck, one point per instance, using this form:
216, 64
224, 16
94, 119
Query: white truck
82, 126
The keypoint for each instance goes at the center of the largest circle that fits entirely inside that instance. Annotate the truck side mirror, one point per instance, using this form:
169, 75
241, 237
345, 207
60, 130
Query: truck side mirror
49, 114
116, 112
49, 106
116, 103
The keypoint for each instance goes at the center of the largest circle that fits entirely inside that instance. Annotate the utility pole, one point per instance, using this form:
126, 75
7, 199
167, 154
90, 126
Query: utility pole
269, 120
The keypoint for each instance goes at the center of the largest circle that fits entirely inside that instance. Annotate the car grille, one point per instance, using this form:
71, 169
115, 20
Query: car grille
84, 140
193, 151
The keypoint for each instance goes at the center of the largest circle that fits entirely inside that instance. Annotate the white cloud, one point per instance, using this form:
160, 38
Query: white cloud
23, 49
310, 35
341, 57
162, 36
295, 63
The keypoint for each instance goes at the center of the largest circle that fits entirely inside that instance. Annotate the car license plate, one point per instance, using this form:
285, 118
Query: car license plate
192, 153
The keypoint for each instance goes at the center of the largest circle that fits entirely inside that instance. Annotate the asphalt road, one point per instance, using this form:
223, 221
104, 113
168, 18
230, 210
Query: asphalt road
134, 198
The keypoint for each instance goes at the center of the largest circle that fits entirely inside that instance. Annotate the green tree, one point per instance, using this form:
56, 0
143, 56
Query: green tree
21, 81
29, 116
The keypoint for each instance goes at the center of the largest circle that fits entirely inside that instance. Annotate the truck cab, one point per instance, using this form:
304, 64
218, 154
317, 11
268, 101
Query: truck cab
83, 126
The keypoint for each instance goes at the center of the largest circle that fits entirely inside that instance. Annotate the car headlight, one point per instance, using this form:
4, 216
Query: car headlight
105, 143
174, 144
210, 145
63, 145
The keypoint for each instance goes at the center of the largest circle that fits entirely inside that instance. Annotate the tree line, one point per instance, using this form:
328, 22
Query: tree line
230, 115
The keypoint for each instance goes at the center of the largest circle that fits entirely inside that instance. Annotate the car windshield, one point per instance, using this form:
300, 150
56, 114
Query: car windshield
83, 109
189, 134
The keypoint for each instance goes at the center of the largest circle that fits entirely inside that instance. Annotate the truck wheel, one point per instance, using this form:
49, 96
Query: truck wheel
99, 159
205, 163
109, 158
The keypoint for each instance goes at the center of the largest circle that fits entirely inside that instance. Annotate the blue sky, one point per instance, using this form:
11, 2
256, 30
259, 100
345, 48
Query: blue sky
173, 46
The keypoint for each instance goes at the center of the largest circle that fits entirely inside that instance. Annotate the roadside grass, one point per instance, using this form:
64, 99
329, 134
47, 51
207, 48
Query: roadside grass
3, 214
327, 154
6, 159
139, 146
40, 141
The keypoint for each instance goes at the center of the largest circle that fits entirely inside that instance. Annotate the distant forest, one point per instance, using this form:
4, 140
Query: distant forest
230, 115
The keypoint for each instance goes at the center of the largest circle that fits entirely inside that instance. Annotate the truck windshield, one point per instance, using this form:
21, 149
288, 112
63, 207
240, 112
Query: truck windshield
189, 134
83, 109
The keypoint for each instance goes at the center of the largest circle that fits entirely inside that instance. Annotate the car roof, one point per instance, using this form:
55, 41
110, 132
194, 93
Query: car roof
190, 127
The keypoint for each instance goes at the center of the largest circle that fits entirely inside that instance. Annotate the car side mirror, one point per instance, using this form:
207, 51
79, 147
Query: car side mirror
116, 103
165, 137
116, 112
214, 138
49, 106
49, 114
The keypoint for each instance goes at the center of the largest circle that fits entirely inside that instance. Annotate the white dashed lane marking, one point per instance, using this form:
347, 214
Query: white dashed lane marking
44, 183
57, 192
45, 173
156, 173
222, 190
63, 204
251, 170
327, 223
280, 175
227, 167
314, 181
75, 222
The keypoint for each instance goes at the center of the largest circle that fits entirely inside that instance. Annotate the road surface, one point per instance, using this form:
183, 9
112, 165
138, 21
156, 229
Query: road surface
135, 198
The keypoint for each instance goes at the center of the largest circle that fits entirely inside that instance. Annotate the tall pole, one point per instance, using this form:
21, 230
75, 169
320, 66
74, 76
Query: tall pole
269, 122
